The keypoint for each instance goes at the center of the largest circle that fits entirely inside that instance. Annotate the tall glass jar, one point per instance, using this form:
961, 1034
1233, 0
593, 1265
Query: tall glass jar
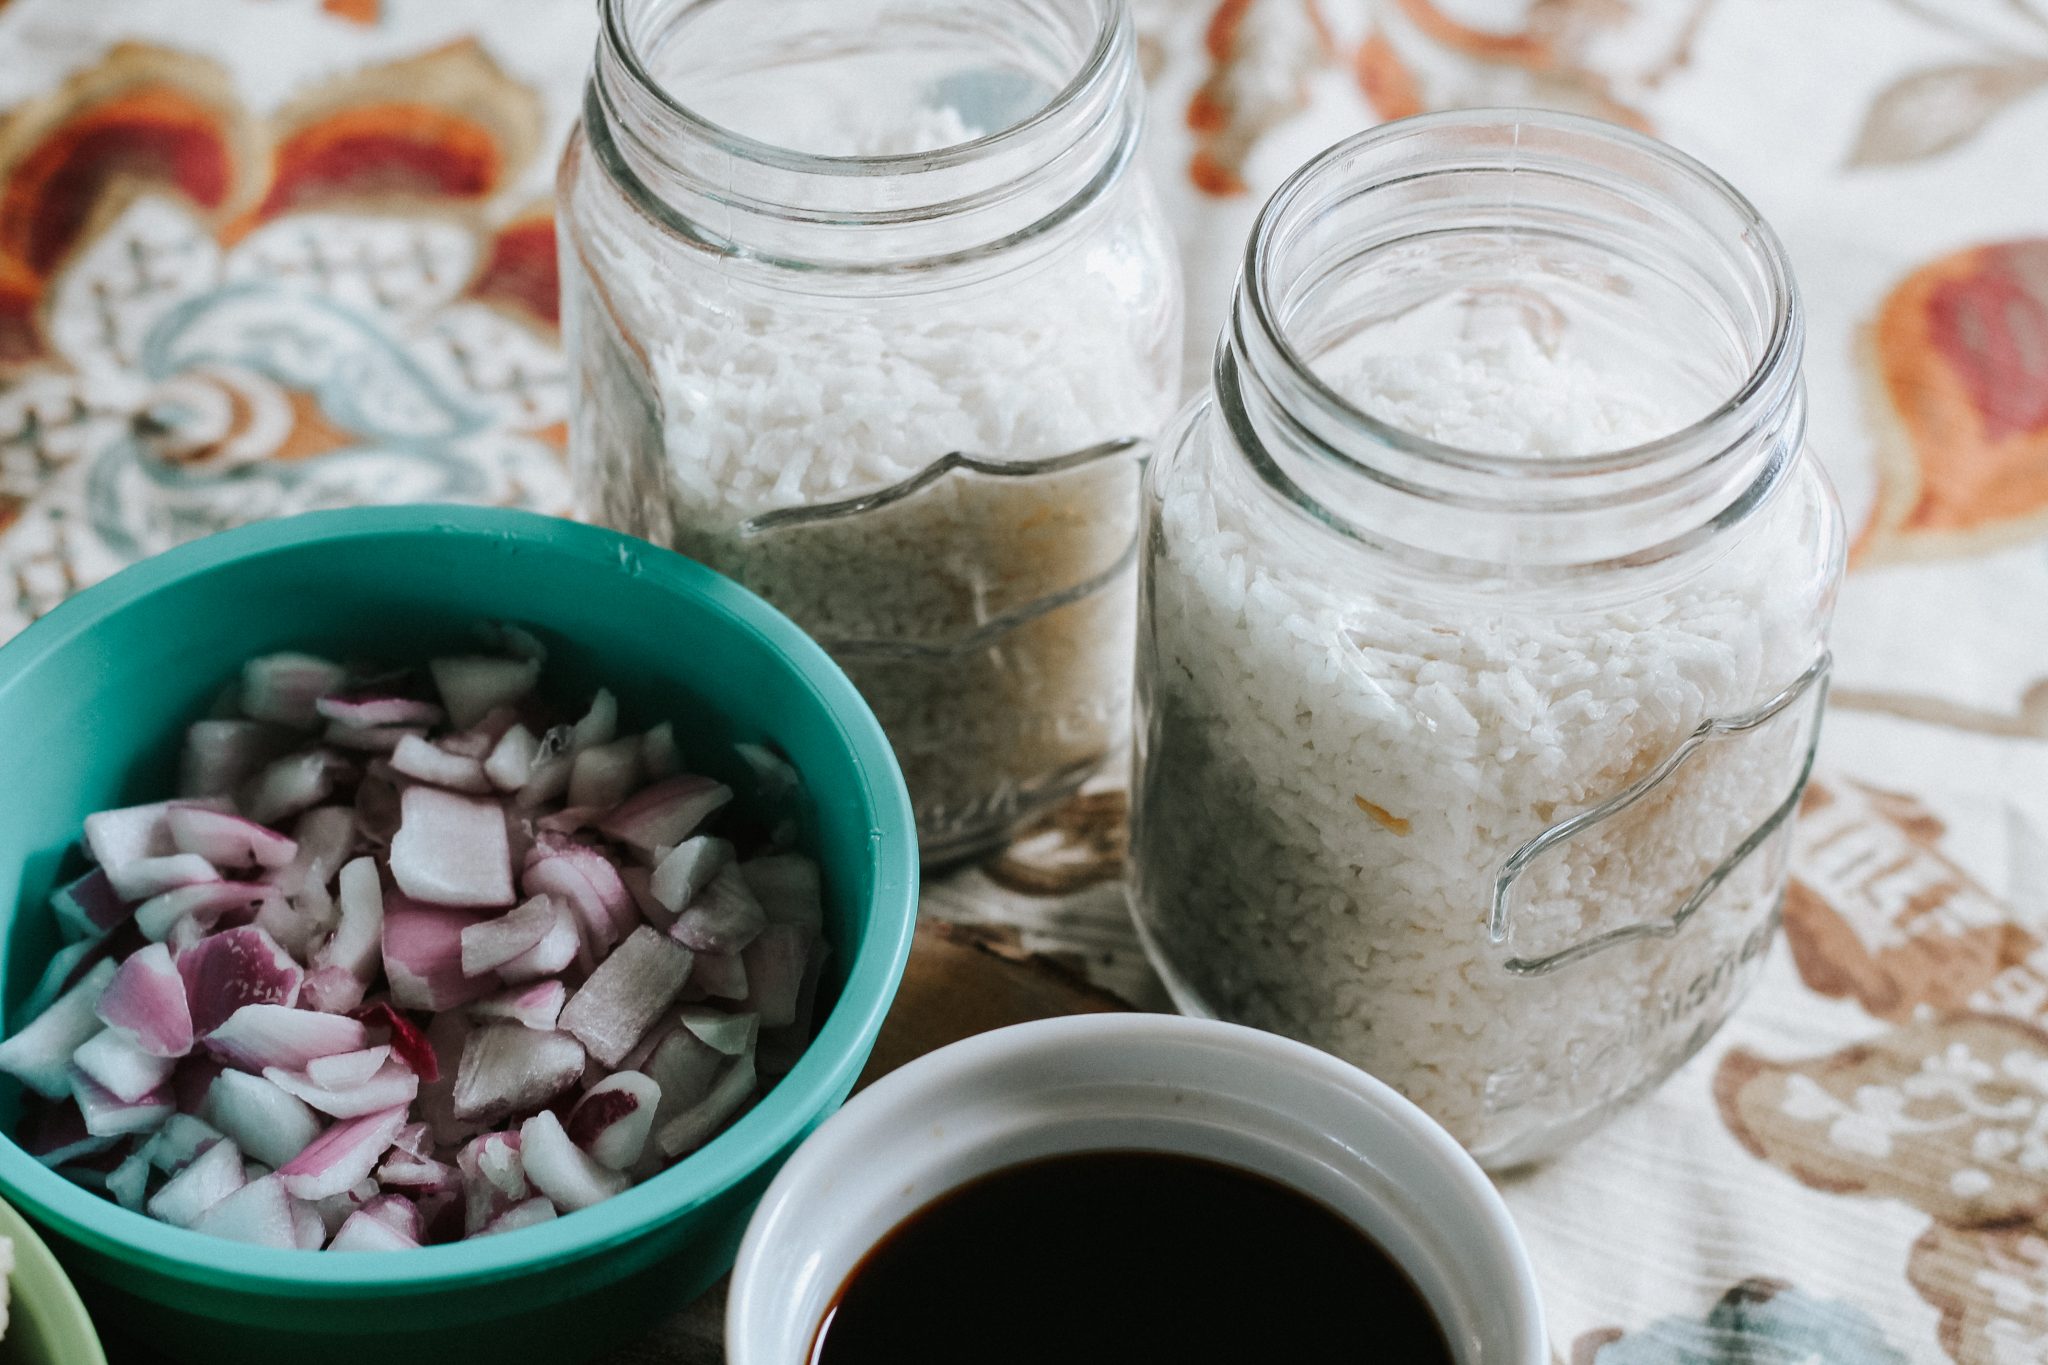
870, 308
1483, 616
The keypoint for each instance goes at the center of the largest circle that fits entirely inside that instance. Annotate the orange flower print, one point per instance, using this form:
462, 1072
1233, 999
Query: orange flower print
208, 317
1959, 359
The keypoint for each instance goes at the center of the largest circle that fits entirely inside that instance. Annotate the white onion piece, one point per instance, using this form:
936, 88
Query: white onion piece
600, 724
293, 783
363, 1233
267, 1122
588, 884
532, 1213
659, 757
787, 885
39, 1053
201, 906
603, 775
228, 841
286, 688
537, 1004
178, 1143
393, 1086
132, 833
720, 976
260, 1213
112, 1059
221, 755
142, 878
357, 944
510, 763
451, 850
209, 1178
629, 990
368, 710
687, 869
472, 686
561, 1170
694, 1126
128, 1182
425, 762
555, 951
775, 963
346, 1070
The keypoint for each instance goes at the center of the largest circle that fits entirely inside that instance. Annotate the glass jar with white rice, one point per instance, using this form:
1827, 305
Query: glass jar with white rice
870, 308
1483, 622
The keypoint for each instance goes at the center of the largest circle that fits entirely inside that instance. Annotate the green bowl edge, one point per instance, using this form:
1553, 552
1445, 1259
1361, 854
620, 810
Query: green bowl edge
44, 1303
802, 1099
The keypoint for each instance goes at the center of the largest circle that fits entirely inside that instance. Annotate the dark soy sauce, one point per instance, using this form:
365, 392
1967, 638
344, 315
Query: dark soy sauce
1127, 1257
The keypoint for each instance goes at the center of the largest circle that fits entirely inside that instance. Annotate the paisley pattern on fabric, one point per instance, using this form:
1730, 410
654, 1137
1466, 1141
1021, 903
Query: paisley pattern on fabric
207, 318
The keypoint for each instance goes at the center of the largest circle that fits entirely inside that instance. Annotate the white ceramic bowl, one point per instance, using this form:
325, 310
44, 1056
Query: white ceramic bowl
1135, 1081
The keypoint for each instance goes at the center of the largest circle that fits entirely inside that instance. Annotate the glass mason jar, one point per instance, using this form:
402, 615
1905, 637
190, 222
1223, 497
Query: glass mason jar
1483, 622
870, 308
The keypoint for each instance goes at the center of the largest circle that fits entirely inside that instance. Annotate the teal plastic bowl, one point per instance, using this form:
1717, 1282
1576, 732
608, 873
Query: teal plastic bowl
94, 698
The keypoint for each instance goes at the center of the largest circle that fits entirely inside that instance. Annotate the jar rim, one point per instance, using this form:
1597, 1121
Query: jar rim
1769, 376
1096, 68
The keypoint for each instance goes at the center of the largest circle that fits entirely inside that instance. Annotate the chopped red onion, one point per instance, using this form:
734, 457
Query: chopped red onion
666, 813
614, 1117
142, 878
422, 949
293, 783
257, 1037
221, 755
537, 1004
588, 884
145, 997
112, 1060
210, 1177
659, 757
787, 886
39, 1053
201, 906
625, 995
472, 686
693, 1127
234, 968
724, 917
775, 963
510, 763
227, 841
720, 976
364, 1233
548, 777
603, 775
508, 1068
178, 1143
687, 869
532, 1213
346, 1070
365, 710
285, 689
490, 944
600, 724
108, 1115
343, 1155
408, 1044
393, 1086
260, 1213
557, 949
89, 906
416, 758
561, 1170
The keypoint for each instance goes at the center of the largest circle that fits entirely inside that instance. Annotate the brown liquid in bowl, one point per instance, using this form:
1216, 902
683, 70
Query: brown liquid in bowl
1127, 1257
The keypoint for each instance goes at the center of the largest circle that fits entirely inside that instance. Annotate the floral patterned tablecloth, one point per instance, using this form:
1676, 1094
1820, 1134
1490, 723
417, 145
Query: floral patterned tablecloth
258, 256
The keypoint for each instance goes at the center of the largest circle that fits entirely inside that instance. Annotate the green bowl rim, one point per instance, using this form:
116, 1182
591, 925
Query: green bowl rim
44, 1294
820, 1079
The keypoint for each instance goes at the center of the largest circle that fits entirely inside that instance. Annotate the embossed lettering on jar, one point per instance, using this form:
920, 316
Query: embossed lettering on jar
1483, 623
871, 310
